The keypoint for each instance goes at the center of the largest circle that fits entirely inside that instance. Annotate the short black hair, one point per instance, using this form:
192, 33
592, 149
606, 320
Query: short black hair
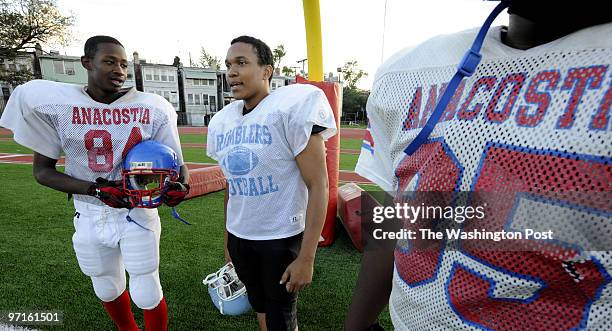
91, 45
264, 53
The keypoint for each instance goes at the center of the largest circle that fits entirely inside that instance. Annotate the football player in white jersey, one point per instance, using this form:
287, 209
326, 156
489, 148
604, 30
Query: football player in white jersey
95, 127
270, 146
532, 121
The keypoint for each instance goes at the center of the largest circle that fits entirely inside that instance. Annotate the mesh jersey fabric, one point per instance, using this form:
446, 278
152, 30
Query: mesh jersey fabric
53, 118
534, 121
256, 151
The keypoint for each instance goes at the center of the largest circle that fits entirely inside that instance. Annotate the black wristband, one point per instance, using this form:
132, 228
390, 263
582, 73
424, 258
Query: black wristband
94, 190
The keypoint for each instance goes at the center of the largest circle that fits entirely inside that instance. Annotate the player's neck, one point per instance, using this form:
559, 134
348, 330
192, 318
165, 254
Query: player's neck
101, 96
254, 100
524, 33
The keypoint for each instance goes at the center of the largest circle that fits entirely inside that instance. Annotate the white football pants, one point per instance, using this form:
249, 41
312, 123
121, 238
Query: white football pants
107, 245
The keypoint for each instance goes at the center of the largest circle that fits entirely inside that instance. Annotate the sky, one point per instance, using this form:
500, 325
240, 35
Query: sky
351, 29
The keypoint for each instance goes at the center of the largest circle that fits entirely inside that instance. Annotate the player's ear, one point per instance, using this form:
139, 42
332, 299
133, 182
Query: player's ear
268, 72
86, 62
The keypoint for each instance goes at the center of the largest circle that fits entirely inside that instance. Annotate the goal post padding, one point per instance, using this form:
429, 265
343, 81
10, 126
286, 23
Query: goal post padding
333, 92
205, 180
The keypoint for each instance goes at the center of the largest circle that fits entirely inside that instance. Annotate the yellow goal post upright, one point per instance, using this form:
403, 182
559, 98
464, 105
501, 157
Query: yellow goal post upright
333, 92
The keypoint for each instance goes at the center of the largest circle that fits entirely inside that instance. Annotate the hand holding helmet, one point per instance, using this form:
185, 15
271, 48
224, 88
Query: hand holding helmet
147, 168
175, 193
109, 192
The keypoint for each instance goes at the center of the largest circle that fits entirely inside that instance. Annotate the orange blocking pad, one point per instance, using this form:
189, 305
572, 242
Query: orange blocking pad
333, 92
350, 209
205, 180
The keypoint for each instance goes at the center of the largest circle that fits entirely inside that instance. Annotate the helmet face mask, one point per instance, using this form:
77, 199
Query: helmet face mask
147, 168
145, 187
227, 292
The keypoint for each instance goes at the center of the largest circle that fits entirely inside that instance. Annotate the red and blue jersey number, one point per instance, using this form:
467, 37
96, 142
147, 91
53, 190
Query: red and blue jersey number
566, 289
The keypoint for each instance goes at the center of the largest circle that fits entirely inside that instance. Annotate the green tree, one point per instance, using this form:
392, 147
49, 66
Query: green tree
208, 60
288, 71
15, 77
353, 99
352, 74
277, 55
353, 102
23, 23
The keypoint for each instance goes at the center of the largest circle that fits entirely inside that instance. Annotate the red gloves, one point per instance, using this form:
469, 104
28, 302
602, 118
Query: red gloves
109, 192
175, 193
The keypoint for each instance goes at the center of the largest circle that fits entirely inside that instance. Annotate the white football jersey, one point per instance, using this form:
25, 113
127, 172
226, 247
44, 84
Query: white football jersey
533, 121
267, 195
53, 118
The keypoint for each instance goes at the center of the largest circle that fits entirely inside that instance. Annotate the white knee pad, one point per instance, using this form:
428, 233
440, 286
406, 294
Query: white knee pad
108, 288
146, 290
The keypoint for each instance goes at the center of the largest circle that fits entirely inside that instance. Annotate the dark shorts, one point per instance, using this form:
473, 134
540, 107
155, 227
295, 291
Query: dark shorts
260, 265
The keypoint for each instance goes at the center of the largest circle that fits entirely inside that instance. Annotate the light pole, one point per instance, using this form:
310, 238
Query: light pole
303, 62
339, 70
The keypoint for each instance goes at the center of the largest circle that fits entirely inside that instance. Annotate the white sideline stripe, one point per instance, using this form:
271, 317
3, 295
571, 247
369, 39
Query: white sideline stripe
4, 156
6, 327
20, 162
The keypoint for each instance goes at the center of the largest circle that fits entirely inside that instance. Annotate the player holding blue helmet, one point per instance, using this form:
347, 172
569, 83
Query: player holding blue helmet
96, 127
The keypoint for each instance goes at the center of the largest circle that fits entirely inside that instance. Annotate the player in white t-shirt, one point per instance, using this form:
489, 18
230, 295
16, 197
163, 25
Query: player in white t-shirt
532, 121
95, 127
271, 149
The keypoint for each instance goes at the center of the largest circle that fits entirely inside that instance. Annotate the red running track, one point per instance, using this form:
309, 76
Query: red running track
345, 176
344, 132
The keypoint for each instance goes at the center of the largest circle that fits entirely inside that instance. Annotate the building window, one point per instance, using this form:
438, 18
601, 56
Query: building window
213, 103
69, 68
148, 74
197, 99
164, 75
190, 99
173, 98
196, 82
171, 76
156, 75
211, 82
167, 95
205, 99
58, 66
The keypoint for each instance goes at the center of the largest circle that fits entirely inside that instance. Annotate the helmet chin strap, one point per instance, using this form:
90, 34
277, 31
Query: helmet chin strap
176, 215
130, 219
466, 68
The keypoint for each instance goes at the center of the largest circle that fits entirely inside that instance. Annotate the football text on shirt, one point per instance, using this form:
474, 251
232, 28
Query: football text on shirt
107, 116
537, 93
240, 160
252, 134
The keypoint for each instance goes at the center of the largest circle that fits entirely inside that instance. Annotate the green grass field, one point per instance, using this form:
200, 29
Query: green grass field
351, 144
40, 271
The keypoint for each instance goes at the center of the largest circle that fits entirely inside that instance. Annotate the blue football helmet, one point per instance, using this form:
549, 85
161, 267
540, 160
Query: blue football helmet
227, 292
147, 168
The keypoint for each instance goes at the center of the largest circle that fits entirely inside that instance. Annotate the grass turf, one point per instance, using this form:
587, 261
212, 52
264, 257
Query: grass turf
9, 146
350, 143
193, 138
40, 271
